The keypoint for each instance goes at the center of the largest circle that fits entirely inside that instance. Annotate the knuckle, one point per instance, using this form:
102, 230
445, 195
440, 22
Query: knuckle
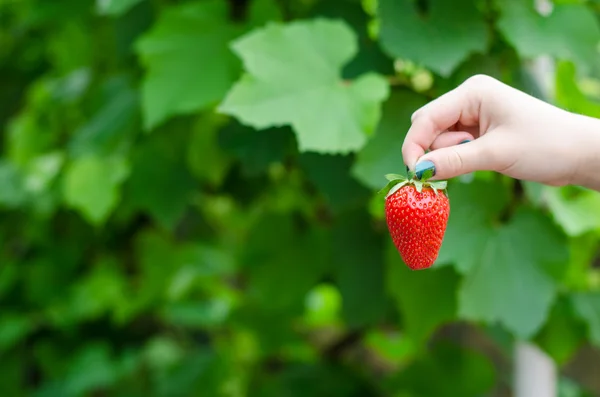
479, 81
456, 161
414, 115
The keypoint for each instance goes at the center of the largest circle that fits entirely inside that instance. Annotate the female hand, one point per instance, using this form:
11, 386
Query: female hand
504, 130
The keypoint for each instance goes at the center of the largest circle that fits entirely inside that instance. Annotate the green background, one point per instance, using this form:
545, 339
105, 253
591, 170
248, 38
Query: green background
188, 201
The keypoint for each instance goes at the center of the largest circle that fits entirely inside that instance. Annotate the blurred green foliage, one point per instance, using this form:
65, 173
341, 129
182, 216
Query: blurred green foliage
188, 200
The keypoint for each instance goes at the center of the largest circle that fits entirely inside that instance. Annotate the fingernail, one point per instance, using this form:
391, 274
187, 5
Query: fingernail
465, 141
424, 168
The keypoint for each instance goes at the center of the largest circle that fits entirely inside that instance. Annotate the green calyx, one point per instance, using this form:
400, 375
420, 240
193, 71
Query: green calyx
396, 181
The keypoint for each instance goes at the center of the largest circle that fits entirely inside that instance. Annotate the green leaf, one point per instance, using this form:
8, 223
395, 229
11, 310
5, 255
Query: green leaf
391, 346
383, 153
514, 282
205, 314
100, 292
576, 215
284, 264
12, 366
12, 191
318, 379
92, 185
42, 171
293, 78
562, 334
111, 127
160, 182
569, 95
587, 308
583, 250
264, 11
9, 273
510, 271
156, 261
439, 40
256, 150
358, 259
115, 7
370, 57
473, 209
14, 328
205, 158
323, 306
200, 369
91, 368
426, 300
570, 32
330, 174
70, 46
189, 66
457, 372
163, 352
494, 65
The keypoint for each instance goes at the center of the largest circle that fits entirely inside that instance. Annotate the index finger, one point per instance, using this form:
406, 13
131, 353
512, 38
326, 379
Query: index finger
459, 105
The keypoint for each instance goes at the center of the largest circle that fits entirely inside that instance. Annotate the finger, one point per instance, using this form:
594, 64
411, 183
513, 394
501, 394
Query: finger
451, 138
460, 105
451, 161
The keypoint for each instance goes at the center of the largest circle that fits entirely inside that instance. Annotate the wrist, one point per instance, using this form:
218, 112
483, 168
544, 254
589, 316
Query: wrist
587, 155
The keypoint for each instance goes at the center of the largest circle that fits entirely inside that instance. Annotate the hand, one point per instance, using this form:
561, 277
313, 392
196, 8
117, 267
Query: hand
486, 125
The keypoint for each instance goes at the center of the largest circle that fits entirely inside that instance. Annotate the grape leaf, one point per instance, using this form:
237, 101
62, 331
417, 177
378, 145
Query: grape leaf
12, 193
256, 150
92, 185
293, 78
513, 282
160, 182
263, 11
152, 250
358, 258
91, 367
197, 314
576, 215
568, 93
331, 176
115, 7
383, 153
443, 38
370, 57
510, 270
474, 207
457, 371
421, 312
318, 379
204, 157
102, 290
587, 308
111, 128
201, 368
188, 64
570, 32
562, 334
284, 264
13, 329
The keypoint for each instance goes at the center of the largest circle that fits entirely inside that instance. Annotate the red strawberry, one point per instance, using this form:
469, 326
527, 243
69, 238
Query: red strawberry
417, 214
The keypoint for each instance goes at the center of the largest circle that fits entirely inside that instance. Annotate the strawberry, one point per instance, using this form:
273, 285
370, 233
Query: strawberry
417, 213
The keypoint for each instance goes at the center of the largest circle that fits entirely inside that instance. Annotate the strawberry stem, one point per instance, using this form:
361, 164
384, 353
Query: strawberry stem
397, 181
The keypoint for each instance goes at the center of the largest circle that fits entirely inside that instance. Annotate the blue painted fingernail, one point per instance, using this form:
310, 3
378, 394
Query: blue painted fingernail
465, 141
425, 169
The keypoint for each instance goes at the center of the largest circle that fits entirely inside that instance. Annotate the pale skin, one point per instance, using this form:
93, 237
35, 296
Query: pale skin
509, 131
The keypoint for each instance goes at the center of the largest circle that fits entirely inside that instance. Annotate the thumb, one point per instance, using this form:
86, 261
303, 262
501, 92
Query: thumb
452, 161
